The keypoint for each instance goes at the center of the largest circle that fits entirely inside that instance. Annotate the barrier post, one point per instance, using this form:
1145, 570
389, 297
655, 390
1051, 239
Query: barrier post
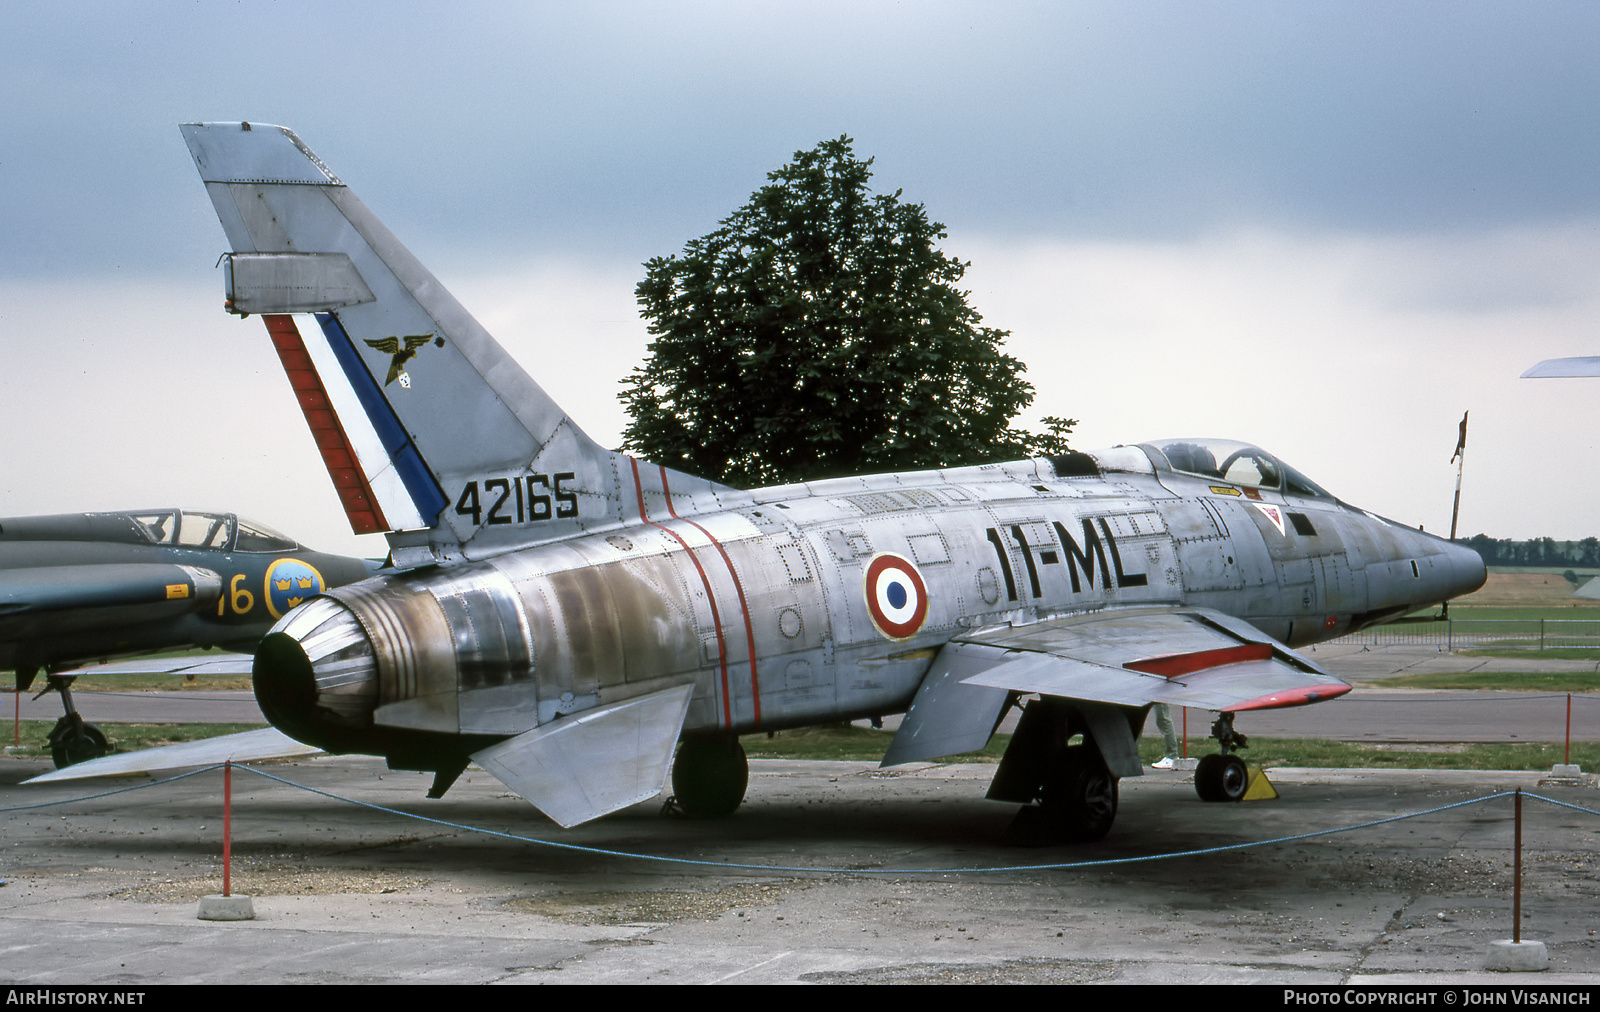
1516, 875
227, 907
227, 826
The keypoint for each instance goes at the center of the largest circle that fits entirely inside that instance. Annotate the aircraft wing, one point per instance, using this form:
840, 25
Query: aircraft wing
225, 663
263, 743
1193, 657
1556, 368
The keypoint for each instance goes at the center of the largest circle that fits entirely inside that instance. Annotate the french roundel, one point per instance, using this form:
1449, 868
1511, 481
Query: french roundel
897, 599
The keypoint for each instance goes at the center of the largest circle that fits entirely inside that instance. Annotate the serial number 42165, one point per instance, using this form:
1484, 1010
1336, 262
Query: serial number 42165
518, 499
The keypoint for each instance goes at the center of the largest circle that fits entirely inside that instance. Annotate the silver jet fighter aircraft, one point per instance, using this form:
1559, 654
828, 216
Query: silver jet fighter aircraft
568, 616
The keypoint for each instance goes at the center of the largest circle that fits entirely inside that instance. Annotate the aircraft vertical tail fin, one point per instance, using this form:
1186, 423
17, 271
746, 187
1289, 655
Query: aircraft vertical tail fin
430, 431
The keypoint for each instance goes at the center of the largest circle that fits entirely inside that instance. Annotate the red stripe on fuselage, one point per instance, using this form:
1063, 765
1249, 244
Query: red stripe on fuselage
705, 581
744, 606
349, 481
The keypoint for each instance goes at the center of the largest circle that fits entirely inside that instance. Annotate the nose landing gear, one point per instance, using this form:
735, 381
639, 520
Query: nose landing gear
1223, 777
72, 740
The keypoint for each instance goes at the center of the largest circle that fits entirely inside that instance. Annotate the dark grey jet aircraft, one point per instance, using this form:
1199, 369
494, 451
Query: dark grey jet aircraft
575, 620
86, 586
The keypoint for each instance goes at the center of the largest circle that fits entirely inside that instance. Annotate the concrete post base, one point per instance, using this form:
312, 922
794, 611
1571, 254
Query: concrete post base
1517, 957
226, 908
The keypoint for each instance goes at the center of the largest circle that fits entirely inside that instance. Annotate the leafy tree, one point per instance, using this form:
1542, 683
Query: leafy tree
819, 332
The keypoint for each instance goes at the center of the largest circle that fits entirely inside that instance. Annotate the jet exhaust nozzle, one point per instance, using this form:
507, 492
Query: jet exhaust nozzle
315, 674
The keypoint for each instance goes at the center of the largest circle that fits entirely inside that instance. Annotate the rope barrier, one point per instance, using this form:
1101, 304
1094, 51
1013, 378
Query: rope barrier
731, 865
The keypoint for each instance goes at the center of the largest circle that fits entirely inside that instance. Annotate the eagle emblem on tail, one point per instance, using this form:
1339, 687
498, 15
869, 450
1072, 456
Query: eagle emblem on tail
391, 346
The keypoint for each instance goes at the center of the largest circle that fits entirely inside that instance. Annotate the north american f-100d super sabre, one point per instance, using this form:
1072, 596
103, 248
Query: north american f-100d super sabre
84, 586
567, 616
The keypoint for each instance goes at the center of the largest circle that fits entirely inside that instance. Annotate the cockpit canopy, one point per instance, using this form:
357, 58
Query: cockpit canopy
197, 529
1231, 461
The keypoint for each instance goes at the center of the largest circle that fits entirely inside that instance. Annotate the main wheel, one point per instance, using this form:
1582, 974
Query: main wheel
709, 777
1079, 802
77, 744
1221, 778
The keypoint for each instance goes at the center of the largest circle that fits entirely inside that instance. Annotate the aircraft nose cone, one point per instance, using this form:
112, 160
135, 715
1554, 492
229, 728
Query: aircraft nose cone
1467, 571
315, 675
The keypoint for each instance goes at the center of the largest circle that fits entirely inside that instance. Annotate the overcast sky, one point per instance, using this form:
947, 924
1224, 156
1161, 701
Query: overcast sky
1326, 228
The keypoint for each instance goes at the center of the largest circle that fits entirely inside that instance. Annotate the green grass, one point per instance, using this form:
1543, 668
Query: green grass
128, 737
1321, 753
1521, 681
1552, 654
847, 742
1580, 610
109, 682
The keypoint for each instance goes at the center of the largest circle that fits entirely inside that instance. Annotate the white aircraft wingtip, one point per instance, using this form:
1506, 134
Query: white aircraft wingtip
1553, 368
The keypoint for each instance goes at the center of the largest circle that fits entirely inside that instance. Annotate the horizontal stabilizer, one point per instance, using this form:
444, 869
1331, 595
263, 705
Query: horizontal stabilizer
582, 767
246, 746
292, 283
1183, 657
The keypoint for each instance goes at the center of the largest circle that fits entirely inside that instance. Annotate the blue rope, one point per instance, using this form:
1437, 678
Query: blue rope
606, 852
119, 790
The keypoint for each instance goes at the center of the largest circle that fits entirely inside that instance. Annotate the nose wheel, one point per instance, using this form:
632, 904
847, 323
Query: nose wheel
72, 740
1223, 777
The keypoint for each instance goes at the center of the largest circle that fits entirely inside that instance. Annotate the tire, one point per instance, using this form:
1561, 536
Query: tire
709, 777
81, 744
1080, 803
1221, 778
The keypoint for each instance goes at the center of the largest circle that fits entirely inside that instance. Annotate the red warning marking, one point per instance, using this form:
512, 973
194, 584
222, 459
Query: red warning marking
1175, 665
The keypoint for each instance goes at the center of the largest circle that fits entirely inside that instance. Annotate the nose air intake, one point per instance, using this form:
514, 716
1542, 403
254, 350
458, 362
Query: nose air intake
315, 673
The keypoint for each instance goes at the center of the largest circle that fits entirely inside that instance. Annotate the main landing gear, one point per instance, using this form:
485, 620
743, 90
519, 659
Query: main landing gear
1223, 777
72, 740
1077, 801
709, 776
1054, 768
